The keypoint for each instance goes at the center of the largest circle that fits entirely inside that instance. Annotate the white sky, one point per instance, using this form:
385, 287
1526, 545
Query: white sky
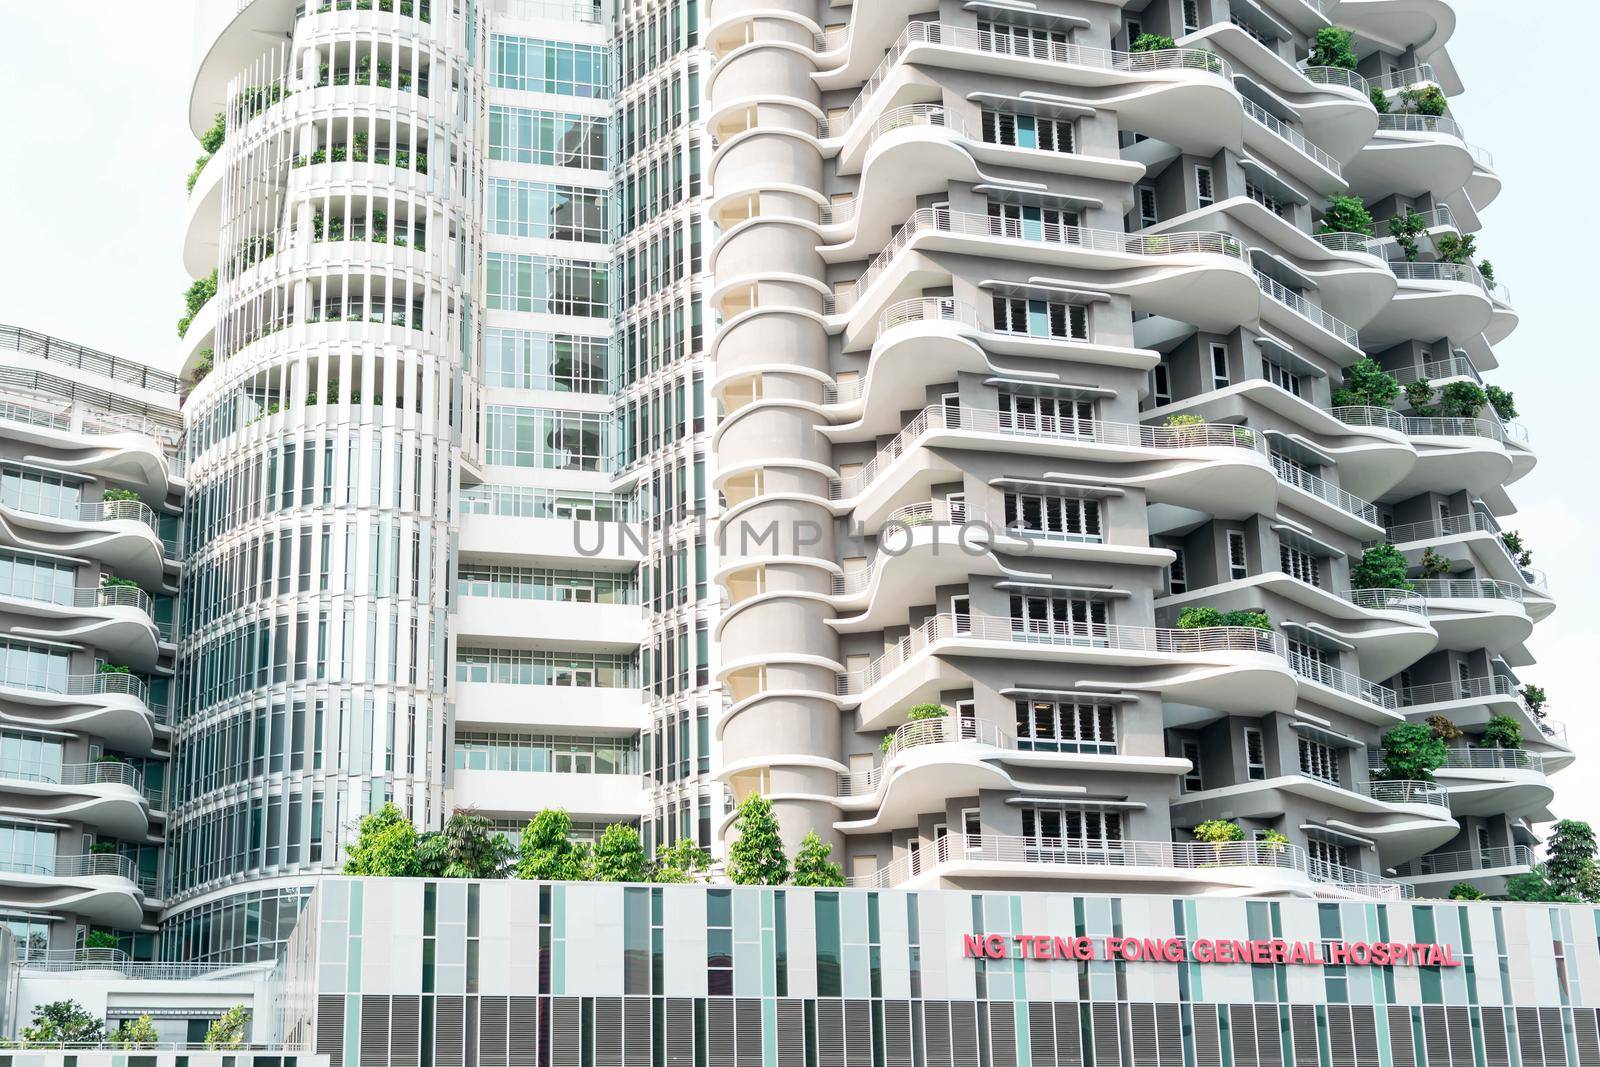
94, 149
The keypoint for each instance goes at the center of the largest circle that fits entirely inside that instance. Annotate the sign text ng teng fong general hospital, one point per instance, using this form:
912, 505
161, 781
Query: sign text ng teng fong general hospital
1207, 950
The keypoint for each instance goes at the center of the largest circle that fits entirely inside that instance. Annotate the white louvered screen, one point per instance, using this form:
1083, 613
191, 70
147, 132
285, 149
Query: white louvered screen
636, 1030
608, 1031
566, 1032
1207, 1052
1495, 1052
523, 1031
792, 1033
448, 1031
405, 1033
1003, 1034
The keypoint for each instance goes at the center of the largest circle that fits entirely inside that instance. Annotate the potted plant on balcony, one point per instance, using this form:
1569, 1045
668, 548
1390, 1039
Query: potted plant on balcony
1503, 401
1273, 841
109, 582
1428, 100
1379, 98
1520, 552
1466, 891
1153, 42
196, 297
113, 668
1332, 48
1381, 566
1462, 400
1486, 269
1501, 731
112, 495
1367, 385
917, 713
1218, 833
1202, 618
1443, 728
1405, 228
1411, 753
1533, 698
1453, 249
1434, 565
100, 939
1346, 214
103, 848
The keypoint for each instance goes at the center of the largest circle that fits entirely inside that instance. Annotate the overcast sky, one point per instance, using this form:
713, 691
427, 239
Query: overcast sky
94, 149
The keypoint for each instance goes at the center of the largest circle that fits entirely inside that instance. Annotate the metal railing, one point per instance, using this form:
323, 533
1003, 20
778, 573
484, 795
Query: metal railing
1493, 685
1325, 491
1344, 241
1387, 600
1467, 589
1416, 426
1438, 272
1466, 862
1337, 76
1443, 526
1458, 365
114, 959
1076, 431
1097, 854
905, 312
925, 513
564, 10
1043, 633
1553, 730
103, 596
78, 357
120, 511
974, 224
532, 502
97, 684
1293, 136
1410, 122
1403, 79
90, 865
1487, 758
1342, 681
950, 729
100, 772
1307, 310
1408, 792
938, 33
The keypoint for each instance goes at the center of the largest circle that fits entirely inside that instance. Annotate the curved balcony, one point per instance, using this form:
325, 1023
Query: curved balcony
109, 705
107, 795
1236, 667
1321, 498
1487, 868
1476, 613
1207, 463
1166, 285
1475, 455
1343, 690
1438, 371
118, 620
101, 888
1306, 321
1434, 299
1181, 95
202, 224
1471, 702
1479, 533
1294, 152
1422, 154
1235, 868
125, 535
1408, 78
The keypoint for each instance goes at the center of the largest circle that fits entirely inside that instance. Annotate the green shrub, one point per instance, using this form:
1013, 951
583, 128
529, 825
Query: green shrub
1486, 269
1428, 100
1453, 249
62, 1022
195, 298
228, 1030
1381, 566
1503, 401
1346, 214
1520, 552
1466, 891
1332, 48
1202, 618
1462, 400
1379, 98
1218, 832
1366, 384
1534, 699
812, 866
1411, 753
212, 139
137, 1033
112, 495
194, 175
1405, 229
1153, 42
100, 939
1501, 731
1434, 564
1443, 727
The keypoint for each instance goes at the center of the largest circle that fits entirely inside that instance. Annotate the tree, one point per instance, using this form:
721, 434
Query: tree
1428, 100
919, 713
63, 1022
1433, 564
1501, 731
1534, 699
1346, 214
757, 858
812, 866
1462, 400
212, 139
385, 846
1366, 384
1202, 618
1520, 552
1486, 269
1533, 886
1332, 48
1419, 397
1379, 98
1405, 229
100, 939
1218, 833
1570, 861
547, 852
472, 848
227, 1031
196, 297
1382, 566
1443, 728
1412, 752
1153, 42
1503, 401
618, 856
683, 862
433, 854
1453, 249
136, 1033
1465, 891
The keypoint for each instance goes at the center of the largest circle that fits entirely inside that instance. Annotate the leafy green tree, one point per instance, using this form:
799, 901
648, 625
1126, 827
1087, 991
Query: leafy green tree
1503, 401
1153, 42
1534, 699
1332, 48
1381, 566
1412, 752
1405, 229
1218, 832
385, 846
812, 866
1428, 100
1433, 564
1462, 400
682, 862
1534, 886
1570, 861
547, 851
1201, 618
1379, 98
618, 856
227, 1031
433, 854
1465, 891
100, 939
63, 1022
212, 139
137, 1033
757, 857
918, 713
1366, 384
196, 297
1486, 269
1346, 214
1501, 731
472, 848
1443, 727
1453, 249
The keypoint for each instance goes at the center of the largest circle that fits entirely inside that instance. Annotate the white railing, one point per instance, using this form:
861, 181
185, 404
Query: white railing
947, 730
1408, 792
1387, 600
1458, 365
1438, 272
564, 10
1446, 526
120, 511
966, 37
532, 502
1479, 759
98, 684
95, 865
1098, 854
114, 959
100, 772
1410, 122
1467, 589
1417, 426
1554, 730
916, 309
1100, 636
1307, 310
1500, 294
1462, 689
103, 596
926, 513
974, 224
1293, 136
1339, 76
1325, 491
1465, 862
1344, 241
1404, 79
1050, 427
1342, 681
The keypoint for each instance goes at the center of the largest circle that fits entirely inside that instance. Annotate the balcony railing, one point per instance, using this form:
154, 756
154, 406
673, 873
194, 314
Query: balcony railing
1479, 759
925, 513
1049, 852
1402, 792
80, 358
1336, 76
1293, 136
1307, 310
1465, 273
951, 729
917, 309
1446, 526
531, 502
1465, 862
1410, 122
1493, 685
974, 224
114, 959
1325, 491
1457, 366
1467, 589
92, 865
1404, 79
103, 596
1343, 681
100, 772
1387, 600
1048, 427
97, 684
1076, 55
1414, 426
1097, 636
